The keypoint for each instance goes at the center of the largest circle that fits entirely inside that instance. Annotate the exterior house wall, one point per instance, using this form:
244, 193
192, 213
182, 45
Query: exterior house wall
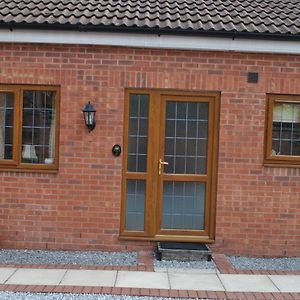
258, 208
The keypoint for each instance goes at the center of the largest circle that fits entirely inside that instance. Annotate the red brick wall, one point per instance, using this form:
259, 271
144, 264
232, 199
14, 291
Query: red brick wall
258, 208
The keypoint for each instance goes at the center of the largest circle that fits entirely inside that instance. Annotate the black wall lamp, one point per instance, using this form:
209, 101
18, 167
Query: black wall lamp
89, 113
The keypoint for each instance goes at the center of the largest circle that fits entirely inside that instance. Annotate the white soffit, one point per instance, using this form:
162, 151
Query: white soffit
187, 42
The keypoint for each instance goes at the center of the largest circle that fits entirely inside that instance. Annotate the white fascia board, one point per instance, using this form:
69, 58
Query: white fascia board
149, 41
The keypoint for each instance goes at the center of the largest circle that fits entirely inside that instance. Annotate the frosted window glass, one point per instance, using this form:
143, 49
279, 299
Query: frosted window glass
135, 204
183, 205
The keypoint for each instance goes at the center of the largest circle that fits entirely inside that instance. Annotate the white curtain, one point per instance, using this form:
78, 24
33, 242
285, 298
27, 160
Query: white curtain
286, 112
52, 137
2, 124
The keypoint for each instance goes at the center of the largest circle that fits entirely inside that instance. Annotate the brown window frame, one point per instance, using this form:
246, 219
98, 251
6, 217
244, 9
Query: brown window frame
269, 158
15, 163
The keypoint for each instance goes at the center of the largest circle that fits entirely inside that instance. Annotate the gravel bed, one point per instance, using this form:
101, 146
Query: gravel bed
68, 257
59, 296
175, 264
283, 264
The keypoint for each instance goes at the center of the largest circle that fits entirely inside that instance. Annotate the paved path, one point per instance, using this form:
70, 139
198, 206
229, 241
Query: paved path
171, 280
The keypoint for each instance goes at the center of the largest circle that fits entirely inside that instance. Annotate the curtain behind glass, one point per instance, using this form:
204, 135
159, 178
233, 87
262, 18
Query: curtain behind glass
38, 128
2, 131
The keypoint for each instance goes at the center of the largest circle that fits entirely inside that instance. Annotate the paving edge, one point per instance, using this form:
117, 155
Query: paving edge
225, 267
149, 292
79, 267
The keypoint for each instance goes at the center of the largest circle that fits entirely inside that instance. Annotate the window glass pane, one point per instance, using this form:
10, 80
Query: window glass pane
296, 131
135, 204
181, 110
38, 128
295, 147
6, 124
138, 133
183, 205
285, 131
186, 137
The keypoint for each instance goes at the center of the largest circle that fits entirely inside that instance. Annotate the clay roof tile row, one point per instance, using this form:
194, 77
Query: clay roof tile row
251, 16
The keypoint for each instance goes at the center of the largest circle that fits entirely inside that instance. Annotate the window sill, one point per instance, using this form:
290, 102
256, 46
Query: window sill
162, 238
28, 170
281, 164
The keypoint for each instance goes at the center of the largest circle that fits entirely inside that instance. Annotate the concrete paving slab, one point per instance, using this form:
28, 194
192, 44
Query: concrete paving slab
5, 273
37, 276
192, 271
287, 283
161, 270
247, 283
149, 280
89, 278
194, 281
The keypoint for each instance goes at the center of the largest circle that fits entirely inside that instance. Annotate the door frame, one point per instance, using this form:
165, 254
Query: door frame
155, 134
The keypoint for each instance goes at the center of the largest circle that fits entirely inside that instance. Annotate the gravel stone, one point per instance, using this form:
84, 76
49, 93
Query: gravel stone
60, 296
68, 257
283, 264
175, 264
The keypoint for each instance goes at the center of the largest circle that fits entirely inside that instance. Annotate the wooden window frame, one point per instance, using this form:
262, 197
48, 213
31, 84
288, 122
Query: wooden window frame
151, 222
15, 163
277, 160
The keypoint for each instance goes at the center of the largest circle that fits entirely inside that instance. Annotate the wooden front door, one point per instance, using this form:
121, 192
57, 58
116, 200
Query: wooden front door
169, 165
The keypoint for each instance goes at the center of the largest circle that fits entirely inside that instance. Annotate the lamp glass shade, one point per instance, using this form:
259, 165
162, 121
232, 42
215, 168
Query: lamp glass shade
89, 114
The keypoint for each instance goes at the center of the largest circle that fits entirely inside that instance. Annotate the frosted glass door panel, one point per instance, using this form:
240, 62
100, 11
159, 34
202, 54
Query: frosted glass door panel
183, 205
135, 204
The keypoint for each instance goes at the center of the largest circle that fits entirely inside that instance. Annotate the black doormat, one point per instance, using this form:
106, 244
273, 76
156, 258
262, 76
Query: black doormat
183, 246
182, 251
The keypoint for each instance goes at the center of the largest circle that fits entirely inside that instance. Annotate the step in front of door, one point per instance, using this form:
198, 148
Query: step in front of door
183, 251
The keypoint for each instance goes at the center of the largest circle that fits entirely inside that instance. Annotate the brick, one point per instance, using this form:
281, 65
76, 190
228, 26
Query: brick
21, 288
106, 290
58, 289
78, 289
288, 296
164, 293
78, 208
192, 294
211, 295
235, 295
48, 289
144, 292
154, 293
116, 291
259, 296
125, 291
221, 295
174, 293
183, 294
9, 287
135, 292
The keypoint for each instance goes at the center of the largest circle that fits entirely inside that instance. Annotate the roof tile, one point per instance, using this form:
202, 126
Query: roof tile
256, 16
